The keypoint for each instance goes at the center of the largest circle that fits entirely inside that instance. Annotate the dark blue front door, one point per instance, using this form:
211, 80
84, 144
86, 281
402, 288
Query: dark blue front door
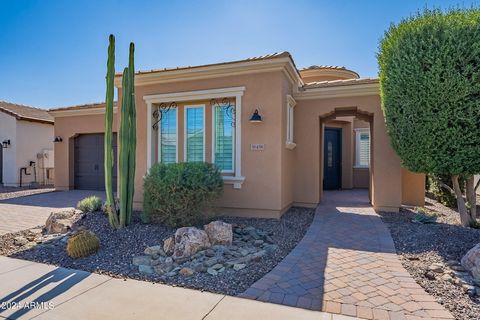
332, 159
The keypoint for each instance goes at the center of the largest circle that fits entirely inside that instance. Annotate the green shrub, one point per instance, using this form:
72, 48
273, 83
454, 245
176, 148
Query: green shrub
180, 194
430, 90
90, 204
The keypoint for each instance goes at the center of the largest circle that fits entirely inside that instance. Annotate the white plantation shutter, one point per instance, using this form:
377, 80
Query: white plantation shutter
363, 148
195, 131
223, 143
168, 136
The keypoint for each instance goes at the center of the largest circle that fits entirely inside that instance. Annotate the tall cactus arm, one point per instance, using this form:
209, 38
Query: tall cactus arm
108, 158
132, 135
124, 148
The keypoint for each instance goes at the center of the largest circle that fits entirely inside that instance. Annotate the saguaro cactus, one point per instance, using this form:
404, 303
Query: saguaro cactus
133, 135
108, 163
127, 142
121, 216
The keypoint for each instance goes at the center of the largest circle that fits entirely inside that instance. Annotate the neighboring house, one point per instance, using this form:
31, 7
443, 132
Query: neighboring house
26, 153
280, 135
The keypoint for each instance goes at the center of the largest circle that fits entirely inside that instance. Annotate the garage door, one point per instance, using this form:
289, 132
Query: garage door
89, 173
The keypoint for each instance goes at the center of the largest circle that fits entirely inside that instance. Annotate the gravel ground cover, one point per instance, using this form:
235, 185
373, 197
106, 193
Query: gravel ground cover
119, 247
16, 192
422, 245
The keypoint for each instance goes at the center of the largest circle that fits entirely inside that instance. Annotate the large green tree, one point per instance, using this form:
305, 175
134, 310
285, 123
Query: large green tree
430, 88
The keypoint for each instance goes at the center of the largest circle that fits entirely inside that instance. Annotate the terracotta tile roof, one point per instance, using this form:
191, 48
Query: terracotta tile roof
83, 106
335, 83
21, 112
324, 67
275, 55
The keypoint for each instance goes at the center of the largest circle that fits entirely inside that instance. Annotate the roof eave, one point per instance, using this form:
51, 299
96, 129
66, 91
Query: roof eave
285, 64
23, 118
339, 91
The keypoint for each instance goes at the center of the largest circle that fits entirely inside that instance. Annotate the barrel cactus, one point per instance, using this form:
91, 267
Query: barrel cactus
82, 244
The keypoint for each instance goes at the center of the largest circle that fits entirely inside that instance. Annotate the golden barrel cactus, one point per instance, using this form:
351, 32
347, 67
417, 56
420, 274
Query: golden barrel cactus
82, 244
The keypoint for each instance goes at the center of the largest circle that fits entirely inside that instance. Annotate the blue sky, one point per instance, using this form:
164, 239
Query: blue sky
53, 53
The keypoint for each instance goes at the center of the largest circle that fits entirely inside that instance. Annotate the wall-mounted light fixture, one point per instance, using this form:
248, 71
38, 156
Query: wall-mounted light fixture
6, 143
58, 139
256, 117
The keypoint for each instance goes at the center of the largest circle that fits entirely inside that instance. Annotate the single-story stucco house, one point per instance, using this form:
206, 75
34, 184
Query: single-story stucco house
26, 140
280, 135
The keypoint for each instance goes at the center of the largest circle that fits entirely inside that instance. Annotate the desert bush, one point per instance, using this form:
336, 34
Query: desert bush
180, 194
436, 186
90, 204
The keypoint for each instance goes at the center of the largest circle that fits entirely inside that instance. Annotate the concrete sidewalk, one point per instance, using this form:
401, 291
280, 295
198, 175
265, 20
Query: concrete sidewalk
59, 293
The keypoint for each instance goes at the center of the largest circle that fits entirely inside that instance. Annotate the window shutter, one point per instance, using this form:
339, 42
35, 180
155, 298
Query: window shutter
364, 149
195, 143
168, 136
223, 139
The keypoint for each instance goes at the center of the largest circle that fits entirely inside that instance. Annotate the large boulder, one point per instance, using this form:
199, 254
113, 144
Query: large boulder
188, 241
219, 232
61, 221
471, 261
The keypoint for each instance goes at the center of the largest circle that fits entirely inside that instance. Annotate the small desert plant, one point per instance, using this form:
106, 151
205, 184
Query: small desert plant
475, 224
90, 204
82, 244
440, 187
180, 194
424, 216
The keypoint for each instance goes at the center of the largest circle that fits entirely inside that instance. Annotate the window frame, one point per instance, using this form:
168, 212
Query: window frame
185, 134
358, 132
214, 138
289, 143
159, 133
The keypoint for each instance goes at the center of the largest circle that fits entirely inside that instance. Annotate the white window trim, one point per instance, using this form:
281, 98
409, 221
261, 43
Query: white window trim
290, 144
213, 143
237, 92
193, 106
159, 132
358, 131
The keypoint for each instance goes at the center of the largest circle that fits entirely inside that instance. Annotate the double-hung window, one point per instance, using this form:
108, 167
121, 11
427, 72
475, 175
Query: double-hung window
167, 136
290, 144
194, 133
362, 150
223, 137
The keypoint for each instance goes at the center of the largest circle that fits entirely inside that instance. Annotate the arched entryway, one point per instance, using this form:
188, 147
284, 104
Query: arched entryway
346, 148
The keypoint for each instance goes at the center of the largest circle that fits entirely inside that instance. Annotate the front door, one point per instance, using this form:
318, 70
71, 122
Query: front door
332, 159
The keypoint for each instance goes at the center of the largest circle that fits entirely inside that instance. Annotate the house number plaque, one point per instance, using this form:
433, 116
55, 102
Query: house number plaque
257, 147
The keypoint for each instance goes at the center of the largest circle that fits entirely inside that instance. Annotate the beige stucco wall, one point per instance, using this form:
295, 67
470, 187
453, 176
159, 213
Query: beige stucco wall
32, 138
413, 188
261, 193
277, 177
68, 128
27, 138
8, 132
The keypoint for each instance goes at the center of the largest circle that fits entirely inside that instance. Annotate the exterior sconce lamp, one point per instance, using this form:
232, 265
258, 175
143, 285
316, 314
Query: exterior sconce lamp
58, 139
6, 143
255, 118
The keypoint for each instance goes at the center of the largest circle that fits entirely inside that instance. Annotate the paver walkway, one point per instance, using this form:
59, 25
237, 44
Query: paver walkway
30, 211
346, 264
58, 293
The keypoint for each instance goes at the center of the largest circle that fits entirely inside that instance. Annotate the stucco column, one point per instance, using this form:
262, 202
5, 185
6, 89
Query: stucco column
387, 175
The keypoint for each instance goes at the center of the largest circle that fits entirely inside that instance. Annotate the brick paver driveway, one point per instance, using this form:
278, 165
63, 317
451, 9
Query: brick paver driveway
346, 264
29, 211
